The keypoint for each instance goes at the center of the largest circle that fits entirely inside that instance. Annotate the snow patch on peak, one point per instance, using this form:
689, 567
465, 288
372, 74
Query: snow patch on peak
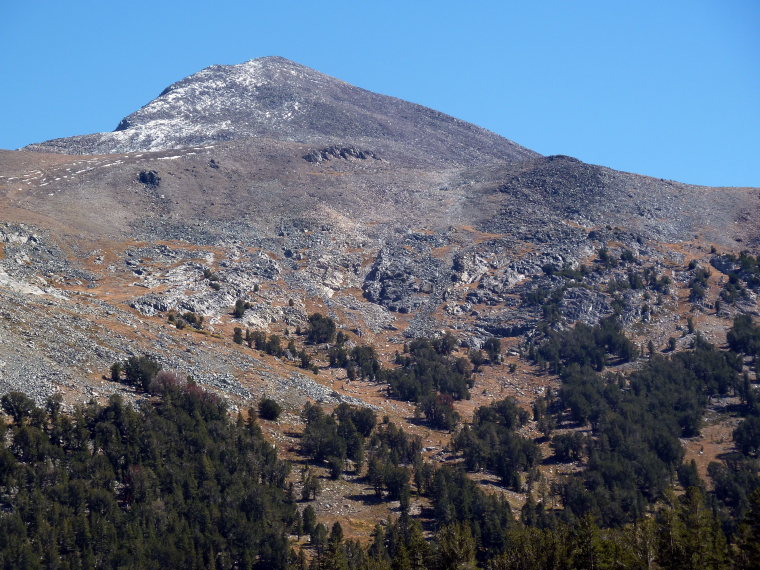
276, 98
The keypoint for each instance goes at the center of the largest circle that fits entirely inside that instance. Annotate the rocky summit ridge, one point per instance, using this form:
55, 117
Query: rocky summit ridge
277, 98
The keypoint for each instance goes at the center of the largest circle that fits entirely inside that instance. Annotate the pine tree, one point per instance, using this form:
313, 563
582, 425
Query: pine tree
309, 519
748, 541
691, 537
456, 548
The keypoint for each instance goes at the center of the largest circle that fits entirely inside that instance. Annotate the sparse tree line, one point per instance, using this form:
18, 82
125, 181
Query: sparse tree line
349, 435
743, 272
633, 450
321, 330
635, 421
426, 372
620, 509
745, 275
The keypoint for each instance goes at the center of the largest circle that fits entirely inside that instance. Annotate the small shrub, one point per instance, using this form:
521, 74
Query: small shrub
140, 371
166, 382
17, 405
321, 329
192, 319
492, 346
269, 409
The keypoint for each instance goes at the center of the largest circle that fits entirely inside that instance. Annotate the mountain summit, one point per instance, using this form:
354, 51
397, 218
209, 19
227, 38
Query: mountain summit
276, 98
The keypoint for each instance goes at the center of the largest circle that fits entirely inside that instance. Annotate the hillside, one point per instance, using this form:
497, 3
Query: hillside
253, 196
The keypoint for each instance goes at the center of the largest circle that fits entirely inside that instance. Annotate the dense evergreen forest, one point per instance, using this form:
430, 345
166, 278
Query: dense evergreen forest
622, 510
179, 482
173, 484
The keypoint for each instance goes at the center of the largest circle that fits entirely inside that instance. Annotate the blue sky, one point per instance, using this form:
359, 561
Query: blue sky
670, 89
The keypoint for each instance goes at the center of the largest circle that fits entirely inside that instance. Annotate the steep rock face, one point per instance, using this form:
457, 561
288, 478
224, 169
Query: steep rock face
277, 98
405, 276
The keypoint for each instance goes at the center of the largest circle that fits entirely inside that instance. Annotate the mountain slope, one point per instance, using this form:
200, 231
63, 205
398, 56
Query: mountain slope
277, 98
395, 219
247, 198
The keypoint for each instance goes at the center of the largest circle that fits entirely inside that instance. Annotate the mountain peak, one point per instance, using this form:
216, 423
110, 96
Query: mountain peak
277, 98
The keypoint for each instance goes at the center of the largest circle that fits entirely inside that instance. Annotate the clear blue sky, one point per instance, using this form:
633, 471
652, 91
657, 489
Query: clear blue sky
668, 88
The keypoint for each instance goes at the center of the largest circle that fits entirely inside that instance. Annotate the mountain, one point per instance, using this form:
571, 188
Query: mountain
206, 233
400, 219
299, 193
273, 97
